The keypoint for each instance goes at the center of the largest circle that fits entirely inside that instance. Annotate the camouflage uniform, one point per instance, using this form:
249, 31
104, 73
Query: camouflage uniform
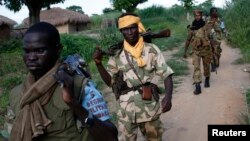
215, 34
134, 112
201, 50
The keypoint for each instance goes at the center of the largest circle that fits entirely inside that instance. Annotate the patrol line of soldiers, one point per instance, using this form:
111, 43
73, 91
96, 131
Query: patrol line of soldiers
205, 38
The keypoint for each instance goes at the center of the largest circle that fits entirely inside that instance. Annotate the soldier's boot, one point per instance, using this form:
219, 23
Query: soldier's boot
206, 85
197, 89
213, 67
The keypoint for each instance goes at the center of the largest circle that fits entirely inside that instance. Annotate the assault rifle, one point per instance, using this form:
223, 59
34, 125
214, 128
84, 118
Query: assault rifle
147, 36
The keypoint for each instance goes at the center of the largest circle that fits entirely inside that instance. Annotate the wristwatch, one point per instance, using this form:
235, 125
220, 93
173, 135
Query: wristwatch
89, 121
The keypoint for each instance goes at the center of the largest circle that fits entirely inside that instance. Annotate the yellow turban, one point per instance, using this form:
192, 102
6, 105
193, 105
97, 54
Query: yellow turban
136, 50
130, 19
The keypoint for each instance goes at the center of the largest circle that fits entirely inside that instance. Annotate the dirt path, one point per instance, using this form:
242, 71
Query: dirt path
222, 103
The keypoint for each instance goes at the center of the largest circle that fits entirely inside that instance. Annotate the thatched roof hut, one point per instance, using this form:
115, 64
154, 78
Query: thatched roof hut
66, 21
6, 26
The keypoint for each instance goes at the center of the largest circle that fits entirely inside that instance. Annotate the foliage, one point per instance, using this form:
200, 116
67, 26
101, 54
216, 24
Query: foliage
127, 5
107, 10
33, 6
237, 24
82, 45
96, 20
75, 8
10, 45
16, 5
109, 36
153, 11
206, 5
187, 4
179, 66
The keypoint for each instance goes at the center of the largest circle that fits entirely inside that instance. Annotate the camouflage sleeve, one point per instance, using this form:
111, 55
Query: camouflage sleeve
162, 69
217, 30
112, 68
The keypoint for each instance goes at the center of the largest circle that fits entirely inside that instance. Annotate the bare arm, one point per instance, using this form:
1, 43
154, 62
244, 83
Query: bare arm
167, 100
97, 56
187, 43
99, 130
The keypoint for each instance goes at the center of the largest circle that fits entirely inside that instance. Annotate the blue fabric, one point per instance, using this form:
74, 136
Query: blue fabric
94, 102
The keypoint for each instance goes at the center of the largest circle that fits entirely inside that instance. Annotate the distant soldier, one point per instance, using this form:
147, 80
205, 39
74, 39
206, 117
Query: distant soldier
199, 38
215, 32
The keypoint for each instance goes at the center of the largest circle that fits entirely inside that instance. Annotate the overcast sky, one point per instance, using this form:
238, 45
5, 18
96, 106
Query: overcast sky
94, 7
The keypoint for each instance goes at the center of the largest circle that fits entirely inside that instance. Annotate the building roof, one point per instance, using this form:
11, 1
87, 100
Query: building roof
58, 16
5, 20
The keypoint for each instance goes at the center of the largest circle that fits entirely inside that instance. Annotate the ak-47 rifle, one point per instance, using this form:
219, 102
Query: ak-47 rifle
147, 36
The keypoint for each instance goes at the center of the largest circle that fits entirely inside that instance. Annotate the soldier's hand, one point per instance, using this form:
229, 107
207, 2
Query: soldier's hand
66, 81
166, 104
98, 55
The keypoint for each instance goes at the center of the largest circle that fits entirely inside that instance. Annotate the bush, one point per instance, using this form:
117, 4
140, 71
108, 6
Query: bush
82, 45
10, 45
237, 23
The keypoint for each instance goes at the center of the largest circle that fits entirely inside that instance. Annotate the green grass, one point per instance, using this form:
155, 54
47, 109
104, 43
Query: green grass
179, 66
237, 24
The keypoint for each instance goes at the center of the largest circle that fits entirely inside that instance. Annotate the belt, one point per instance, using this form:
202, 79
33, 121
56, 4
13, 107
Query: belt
133, 89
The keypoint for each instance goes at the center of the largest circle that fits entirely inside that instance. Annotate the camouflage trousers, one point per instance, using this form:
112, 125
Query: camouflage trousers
205, 56
151, 130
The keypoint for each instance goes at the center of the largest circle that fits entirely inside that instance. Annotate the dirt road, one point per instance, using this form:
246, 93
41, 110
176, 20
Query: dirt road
222, 103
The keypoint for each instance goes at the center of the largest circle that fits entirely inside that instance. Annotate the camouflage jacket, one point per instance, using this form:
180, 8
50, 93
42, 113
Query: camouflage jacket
214, 27
131, 106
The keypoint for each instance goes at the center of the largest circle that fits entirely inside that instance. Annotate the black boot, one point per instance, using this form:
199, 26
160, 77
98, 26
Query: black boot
197, 89
206, 85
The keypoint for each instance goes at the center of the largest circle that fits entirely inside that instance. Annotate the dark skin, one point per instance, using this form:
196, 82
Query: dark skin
131, 35
40, 55
214, 14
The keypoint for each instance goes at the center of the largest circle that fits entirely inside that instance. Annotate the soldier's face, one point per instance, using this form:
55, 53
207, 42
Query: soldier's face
38, 55
214, 12
198, 16
131, 34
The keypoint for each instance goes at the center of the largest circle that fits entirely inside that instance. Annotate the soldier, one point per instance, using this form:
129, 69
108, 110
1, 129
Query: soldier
214, 25
199, 39
141, 65
42, 111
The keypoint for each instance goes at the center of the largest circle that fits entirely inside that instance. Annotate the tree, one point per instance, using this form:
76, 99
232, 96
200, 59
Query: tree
206, 5
127, 5
107, 10
34, 7
187, 4
75, 8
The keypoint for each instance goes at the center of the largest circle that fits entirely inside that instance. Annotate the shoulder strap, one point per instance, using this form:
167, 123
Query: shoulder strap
131, 65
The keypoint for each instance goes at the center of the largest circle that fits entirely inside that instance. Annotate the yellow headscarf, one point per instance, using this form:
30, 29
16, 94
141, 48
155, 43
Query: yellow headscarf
136, 50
